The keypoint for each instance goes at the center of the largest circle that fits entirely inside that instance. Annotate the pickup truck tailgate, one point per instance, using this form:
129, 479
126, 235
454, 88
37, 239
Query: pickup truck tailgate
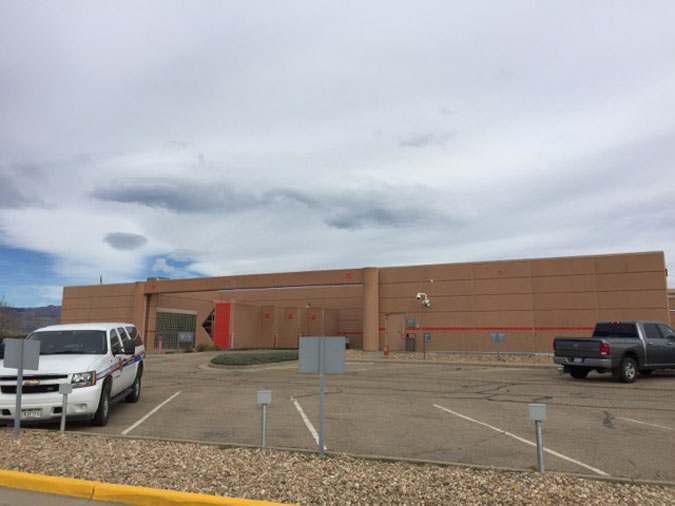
571, 347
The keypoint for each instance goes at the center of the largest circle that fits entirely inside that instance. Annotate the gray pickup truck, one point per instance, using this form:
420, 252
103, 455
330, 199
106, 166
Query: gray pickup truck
624, 348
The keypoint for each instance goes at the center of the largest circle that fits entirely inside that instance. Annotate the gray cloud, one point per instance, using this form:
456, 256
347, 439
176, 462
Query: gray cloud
10, 197
419, 140
123, 241
177, 195
355, 210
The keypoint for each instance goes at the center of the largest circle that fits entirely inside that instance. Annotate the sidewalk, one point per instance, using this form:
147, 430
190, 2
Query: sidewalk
16, 497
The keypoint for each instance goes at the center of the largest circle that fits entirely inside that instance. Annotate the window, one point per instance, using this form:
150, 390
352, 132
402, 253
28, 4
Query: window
115, 343
126, 340
667, 332
133, 332
615, 330
652, 331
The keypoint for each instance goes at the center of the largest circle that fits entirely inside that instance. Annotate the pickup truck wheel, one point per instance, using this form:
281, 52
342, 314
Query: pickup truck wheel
135, 389
628, 370
103, 412
579, 372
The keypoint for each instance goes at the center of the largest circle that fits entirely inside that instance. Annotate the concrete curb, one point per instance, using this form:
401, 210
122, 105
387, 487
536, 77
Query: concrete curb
112, 492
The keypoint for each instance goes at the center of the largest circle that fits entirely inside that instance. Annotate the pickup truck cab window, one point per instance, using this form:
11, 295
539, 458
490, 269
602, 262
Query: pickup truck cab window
652, 331
667, 332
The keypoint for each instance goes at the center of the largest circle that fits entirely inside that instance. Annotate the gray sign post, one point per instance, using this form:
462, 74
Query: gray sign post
264, 398
538, 414
21, 354
64, 389
426, 339
322, 355
498, 337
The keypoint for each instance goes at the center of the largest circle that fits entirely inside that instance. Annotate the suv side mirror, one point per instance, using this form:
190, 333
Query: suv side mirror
129, 349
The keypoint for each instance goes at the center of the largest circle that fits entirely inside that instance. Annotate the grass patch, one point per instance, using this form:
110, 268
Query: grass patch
240, 358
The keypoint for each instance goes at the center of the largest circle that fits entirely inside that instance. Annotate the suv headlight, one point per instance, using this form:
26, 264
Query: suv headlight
83, 379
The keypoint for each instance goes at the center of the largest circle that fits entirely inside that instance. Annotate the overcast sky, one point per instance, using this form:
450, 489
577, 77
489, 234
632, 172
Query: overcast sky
209, 138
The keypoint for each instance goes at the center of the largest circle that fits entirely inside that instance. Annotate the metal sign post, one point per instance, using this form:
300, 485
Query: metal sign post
21, 354
322, 355
264, 398
538, 414
498, 337
64, 389
426, 339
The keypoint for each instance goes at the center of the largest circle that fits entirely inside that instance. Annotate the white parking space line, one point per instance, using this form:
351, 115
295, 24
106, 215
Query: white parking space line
645, 423
127, 430
309, 425
523, 440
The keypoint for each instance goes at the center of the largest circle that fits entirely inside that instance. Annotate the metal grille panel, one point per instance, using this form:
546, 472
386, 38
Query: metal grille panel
170, 324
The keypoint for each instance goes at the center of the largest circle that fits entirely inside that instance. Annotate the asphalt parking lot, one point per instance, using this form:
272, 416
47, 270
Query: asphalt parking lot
450, 412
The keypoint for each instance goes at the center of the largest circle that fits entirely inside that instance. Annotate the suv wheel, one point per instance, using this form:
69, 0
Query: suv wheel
103, 412
135, 389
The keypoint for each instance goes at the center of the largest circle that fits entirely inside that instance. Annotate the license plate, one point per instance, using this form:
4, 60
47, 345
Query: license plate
31, 413
577, 360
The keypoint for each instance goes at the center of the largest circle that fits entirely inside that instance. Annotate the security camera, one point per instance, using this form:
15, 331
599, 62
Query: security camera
427, 303
419, 296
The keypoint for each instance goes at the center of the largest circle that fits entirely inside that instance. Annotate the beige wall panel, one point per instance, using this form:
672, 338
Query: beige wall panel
502, 286
554, 301
503, 319
291, 325
634, 314
437, 288
330, 322
245, 326
350, 314
99, 302
350, 326
267, 326
99, 290
631, 281
571, 318
336, 277
513, 302
98, 315
450, 341
563, 266
516, 341
654, 299
410, 304
572, 283
631, 262
424, 273
513, 269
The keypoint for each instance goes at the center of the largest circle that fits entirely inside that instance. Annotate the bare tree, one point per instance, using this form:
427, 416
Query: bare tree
6, 317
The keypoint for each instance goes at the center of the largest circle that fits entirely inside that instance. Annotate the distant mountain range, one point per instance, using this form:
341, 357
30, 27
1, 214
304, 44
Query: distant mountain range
24, 320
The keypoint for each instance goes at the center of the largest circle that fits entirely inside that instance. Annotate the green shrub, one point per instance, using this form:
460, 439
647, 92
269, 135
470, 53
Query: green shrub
241, 358
188, 350
209, 347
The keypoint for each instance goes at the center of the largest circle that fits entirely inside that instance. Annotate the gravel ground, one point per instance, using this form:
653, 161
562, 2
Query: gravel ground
302, 478
453, 357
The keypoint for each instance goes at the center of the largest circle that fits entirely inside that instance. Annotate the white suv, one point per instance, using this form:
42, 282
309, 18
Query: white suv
103, 362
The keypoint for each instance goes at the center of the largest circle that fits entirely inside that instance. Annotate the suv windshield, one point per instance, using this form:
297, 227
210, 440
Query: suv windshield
62, 342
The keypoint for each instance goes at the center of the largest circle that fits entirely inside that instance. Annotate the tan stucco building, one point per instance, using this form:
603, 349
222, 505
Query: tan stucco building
530, 300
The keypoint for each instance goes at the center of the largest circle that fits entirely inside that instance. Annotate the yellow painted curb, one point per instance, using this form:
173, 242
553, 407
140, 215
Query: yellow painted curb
111, 492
